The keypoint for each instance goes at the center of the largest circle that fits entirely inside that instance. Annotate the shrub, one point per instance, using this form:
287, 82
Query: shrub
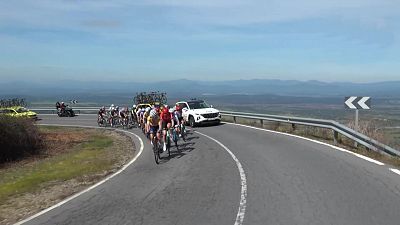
19, 137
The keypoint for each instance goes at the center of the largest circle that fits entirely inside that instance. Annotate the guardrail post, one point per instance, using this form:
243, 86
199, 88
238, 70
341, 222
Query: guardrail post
335, 137
234, 119
293, 126
262, 123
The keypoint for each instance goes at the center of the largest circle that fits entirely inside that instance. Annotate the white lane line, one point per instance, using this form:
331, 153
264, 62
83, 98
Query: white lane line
243, 196
315, 141
92, 187
396, 171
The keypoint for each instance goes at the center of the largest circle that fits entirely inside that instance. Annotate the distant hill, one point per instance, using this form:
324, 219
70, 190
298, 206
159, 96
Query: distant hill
188, 88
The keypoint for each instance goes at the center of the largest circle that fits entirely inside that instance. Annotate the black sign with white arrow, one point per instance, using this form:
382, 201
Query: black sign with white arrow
354, 102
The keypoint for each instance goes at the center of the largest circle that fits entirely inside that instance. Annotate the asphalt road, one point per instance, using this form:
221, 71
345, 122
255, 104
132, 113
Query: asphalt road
289, 181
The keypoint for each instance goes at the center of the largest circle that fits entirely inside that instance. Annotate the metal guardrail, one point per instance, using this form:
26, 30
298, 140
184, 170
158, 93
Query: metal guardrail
77, 110
330, 124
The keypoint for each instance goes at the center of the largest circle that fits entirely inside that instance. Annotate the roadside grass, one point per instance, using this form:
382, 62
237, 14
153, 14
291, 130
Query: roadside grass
86, 157
320, 134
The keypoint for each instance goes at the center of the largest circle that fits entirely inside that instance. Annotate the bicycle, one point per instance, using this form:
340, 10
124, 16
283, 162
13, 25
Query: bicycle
182, 131
168, 142
156, 149
125, 123
102, 121
174, 134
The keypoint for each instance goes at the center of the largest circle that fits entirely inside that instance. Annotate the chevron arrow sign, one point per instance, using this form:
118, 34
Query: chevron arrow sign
354, 102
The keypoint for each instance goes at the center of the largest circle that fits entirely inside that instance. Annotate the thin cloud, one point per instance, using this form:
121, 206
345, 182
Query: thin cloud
102, 23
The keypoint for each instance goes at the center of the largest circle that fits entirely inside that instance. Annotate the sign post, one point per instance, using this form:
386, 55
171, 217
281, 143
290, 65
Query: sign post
354, 102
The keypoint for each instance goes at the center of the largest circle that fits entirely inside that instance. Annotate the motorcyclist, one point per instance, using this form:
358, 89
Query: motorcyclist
62, 107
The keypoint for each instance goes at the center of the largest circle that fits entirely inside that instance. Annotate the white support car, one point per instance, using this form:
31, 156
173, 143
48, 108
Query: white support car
197, 112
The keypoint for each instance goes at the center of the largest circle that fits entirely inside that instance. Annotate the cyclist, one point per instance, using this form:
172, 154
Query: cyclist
145, 115
123, 114
166, 121
179, 117
101, 113
111, 107
175, 120
133, 113
113, 113
153, 121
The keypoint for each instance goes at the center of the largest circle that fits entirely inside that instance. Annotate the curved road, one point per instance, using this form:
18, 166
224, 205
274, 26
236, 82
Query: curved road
289, 181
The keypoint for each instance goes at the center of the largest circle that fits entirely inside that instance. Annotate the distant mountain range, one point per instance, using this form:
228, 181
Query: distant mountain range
207, 88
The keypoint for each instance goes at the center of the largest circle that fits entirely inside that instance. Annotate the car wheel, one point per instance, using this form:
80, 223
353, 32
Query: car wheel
191, 121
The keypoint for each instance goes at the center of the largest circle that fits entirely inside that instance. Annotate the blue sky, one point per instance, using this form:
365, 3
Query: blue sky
327, 40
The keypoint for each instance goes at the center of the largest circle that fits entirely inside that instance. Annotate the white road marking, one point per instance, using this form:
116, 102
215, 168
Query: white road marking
396, 171
92, 187
319, 142
243, 196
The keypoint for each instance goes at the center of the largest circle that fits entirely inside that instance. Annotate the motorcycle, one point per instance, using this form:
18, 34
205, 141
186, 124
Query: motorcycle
66, 112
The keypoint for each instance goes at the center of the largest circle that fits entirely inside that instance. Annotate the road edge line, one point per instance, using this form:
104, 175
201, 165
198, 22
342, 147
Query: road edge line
91, 187
396, 171
315, 141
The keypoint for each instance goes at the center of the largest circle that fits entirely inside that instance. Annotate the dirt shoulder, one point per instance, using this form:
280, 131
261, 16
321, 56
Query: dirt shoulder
73, 159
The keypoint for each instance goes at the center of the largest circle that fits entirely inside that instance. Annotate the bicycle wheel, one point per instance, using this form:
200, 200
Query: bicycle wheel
169, 146
175, 138
168, 139
183, 132
156, 151
99, 122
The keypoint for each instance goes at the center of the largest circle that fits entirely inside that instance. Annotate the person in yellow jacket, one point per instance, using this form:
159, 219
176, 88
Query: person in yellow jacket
153, 121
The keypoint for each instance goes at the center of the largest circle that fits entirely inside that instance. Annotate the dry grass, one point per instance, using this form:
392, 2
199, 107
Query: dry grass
326, 135
73, 159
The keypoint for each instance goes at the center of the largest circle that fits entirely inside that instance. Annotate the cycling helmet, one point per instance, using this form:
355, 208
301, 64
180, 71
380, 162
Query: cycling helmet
171, 110
103, 108
134, 106
153, 113
165, 110
112, 105
177, 108
148, 109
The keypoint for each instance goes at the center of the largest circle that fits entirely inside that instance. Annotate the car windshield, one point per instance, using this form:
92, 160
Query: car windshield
22, 110
198, 105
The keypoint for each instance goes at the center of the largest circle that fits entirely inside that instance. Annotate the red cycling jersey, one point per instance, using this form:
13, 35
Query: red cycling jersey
167, 117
